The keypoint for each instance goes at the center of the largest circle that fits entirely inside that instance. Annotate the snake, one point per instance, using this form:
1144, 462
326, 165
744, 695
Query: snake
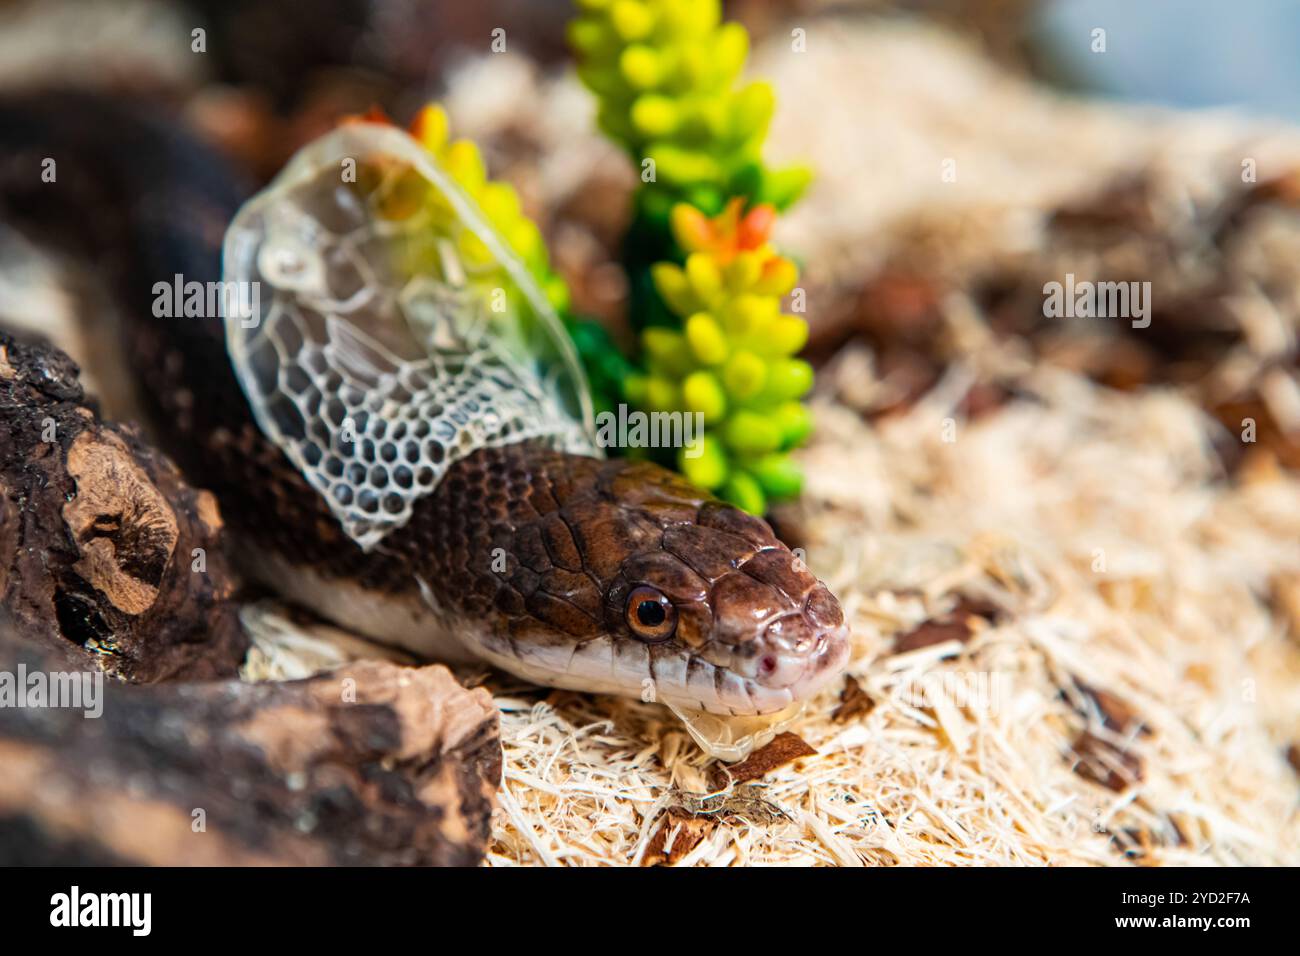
466, 516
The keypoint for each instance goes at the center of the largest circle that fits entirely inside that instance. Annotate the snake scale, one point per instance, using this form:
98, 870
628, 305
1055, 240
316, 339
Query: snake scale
608, 576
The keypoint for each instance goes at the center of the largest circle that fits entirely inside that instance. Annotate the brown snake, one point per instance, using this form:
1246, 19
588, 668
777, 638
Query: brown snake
604, 576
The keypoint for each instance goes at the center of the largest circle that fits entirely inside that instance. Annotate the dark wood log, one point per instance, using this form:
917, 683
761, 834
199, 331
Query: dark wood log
106, 555
371, 764
110, 565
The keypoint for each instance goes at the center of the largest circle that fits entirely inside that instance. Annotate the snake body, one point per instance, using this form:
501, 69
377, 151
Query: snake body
603, 576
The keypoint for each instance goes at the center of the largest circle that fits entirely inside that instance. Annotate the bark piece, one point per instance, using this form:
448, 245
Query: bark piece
371, 764
935, 631
679, 833
854, 702
782, 750
1105, 763
959, 624
1117, 715
106, 555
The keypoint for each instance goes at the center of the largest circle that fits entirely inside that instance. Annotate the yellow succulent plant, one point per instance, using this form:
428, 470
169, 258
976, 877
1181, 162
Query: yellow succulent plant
732, 361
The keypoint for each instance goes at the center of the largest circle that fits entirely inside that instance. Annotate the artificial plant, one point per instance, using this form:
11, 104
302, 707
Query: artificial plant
705, 284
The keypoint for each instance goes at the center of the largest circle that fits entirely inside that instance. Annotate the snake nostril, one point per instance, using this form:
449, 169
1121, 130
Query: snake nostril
767, 665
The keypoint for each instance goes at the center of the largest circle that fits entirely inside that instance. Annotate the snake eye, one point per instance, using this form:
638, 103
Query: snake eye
650, 615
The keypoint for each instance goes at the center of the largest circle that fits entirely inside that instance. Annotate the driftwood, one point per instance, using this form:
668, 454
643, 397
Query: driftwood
371, 764
111, 574
106, 555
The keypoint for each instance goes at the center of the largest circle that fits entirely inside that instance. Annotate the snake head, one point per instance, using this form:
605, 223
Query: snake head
729, 619
693, 602
621, 577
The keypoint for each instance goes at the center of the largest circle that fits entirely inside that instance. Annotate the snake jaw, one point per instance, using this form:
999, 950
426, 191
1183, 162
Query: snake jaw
746, 687
813, 671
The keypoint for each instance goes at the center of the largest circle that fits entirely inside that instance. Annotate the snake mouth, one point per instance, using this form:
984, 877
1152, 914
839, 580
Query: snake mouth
776, 678
765, 678
744, 686
825, 665
781, 659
